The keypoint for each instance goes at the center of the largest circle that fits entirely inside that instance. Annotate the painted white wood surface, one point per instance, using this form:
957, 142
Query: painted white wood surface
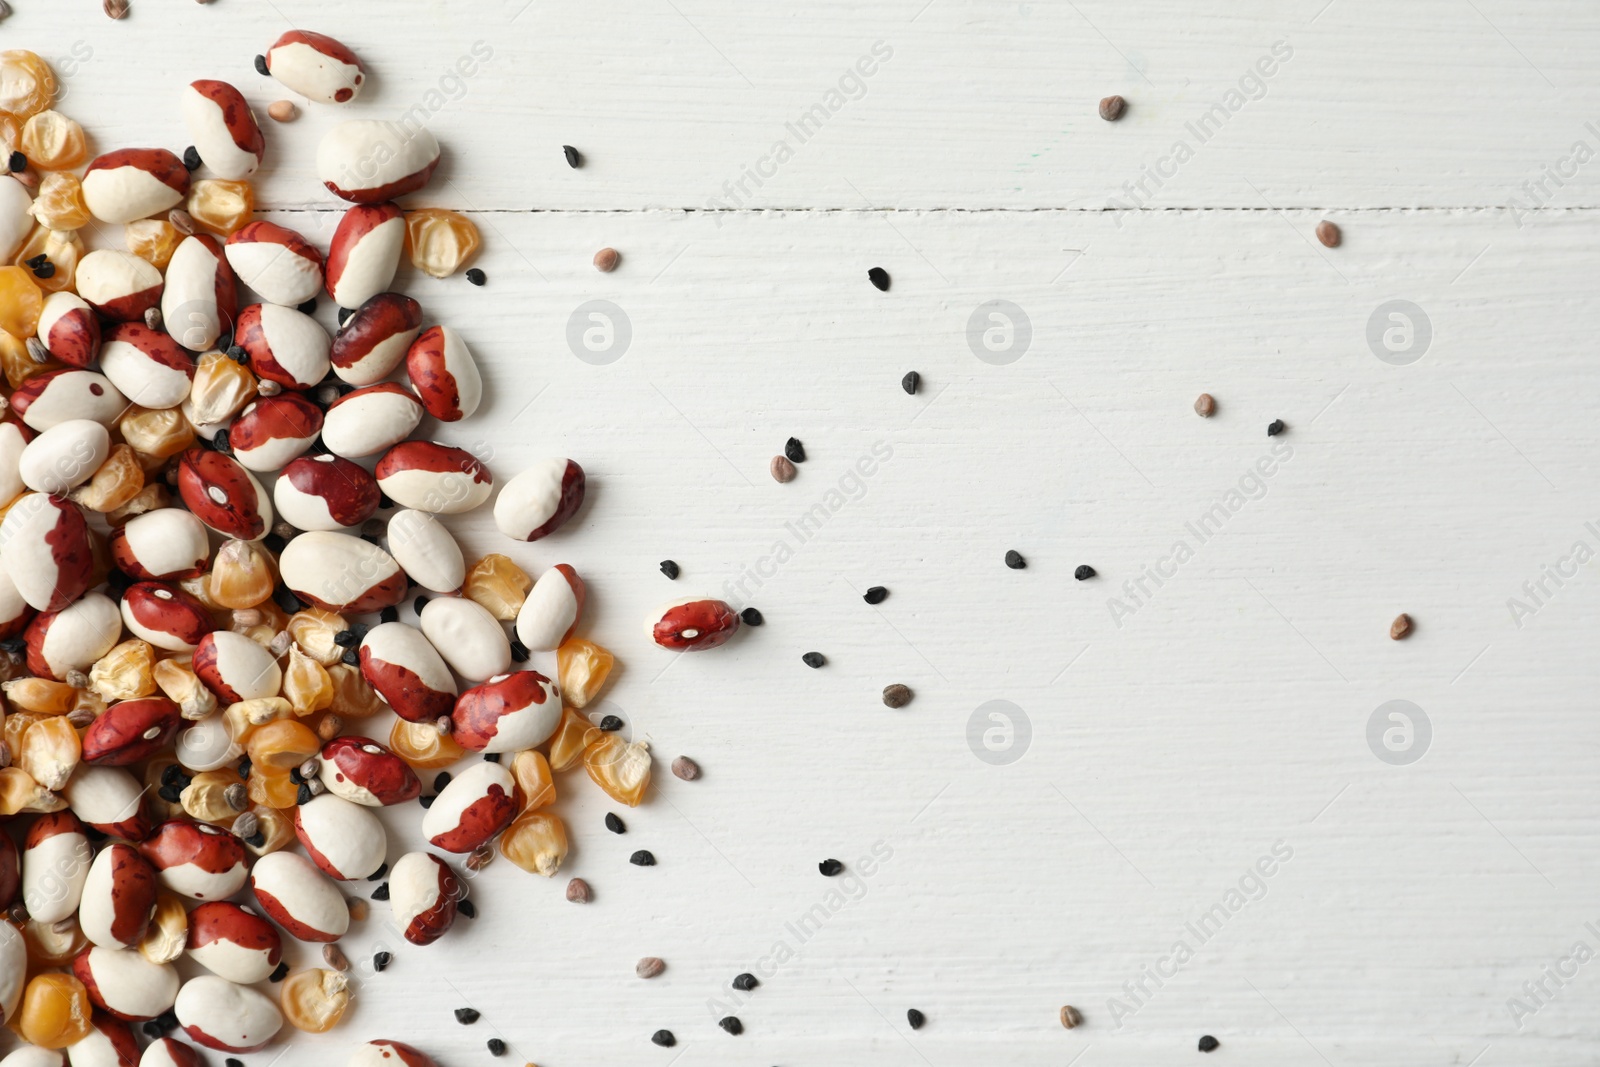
1227, 713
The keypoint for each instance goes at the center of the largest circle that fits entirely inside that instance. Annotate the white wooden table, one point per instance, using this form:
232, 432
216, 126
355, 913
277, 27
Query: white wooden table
1159, 747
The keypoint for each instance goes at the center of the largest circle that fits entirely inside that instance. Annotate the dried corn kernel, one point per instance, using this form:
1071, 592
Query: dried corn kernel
17, 724
353, 696
50, 751
440, 242
423, 746
54, 944
153, 497
54, 1012
220, 390
620, 768
168, 933
271, 787
275, 825
27, 85
199, 587
20, 301
284, 744
313, 631
219, 205
536, 841
306, 684
572, 736
10, 133
152, 240
498, 585
41, 695
126, 672
19, 793
59, 205
19, 366
583, 667
247, 716
242, 575
315, 1000
61, 249
204, 798
531, 771
178, 681
117, 481
51, 141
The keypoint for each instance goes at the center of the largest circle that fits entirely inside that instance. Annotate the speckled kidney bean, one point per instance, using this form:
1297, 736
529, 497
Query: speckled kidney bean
444, 374
407, 672
272, 431
376, 338
147, 366
124, 983
424, 547
471, 640
45, 547
134, 183
56, 396
69, 329
316, 66
130, 731
692, 625
119, 285
284, 345
235, 668
364, 772
342, 573
325, 493
369, 420
508, 713
119, 896
536, 502
365, 253
299, 898
109, 799
224, 495
222, 129
73, 638
279, 264
368, 161
477, 804
343, 838
552, 609
224, 1016
163, 545
423, 891
201, 296
55, 864
165, 616
233, 942
436, 478
196, 860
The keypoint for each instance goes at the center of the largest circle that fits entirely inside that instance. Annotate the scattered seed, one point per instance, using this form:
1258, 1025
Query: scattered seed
732, 1025
519, 651
468, 908
261, 66
37, 351
606, 260
1329, 234
230, 1061
382, 892
663, 1038
335, 958
47, 270
876, 595
152, 318
751, 617
686, 768
282, 111
896, 696
1209, 1044
117, 9
17, 162
191, 158
1071, 1017
359, 909
279, 973
745, 982
496, 1047
670, 569
574, 158
1084, 572
1400, 629
781, 469
480, 858
346, 639
491, 757
310, 308
1112, 107
467, 1016
615, 824
794, 450
642, 858
344, 316
183, 222
1275, 427
426, 802
611, 723
390, 614
1205, 405
310, 768
829, 868
418, 604
879, 279
381, 960
304, 794
237, 797
910, 382
578, 891
649, 967
476, 276
813, 659
1015, 561
915, 1018
329, 727
5, 9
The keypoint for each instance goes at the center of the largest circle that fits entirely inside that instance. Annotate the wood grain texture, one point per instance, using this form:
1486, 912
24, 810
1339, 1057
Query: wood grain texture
1176, 738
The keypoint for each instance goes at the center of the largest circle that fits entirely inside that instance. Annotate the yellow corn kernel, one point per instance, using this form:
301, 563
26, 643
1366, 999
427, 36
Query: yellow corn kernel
283, 745
41, 695
536, 841
51, 141
50, 751
531, 771
220, 390
315, 1000
162, 434
439, 241
353, 696
423, 746
313, 631
152, 240
27, 84
242, 575
204, 798
58, 205
306, 684
582, 667
620, 768
61, 248
168, 933
498, 585
117, 481
271, 787
20, 301
54, 1012
54, 944
178, 681
247, 715
153, 497
572, 736
19, 367
19, 793
219, 205
127, 672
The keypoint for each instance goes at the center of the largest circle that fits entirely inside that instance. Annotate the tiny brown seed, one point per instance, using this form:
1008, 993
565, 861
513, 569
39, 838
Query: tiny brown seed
310, 768
117, 9
77, 679
1070, 1017
358, 908
686, 768
578, 891
152, 318
896, 696
181, 221
5, 754
1112, 107
1329, 234
237, 796
283, 111
649, 967
480, 858
80, 717
1400, 628
5, 9
782, 470
330, 727
1205, 405
268, 387
335, 957
444, 724
606, 260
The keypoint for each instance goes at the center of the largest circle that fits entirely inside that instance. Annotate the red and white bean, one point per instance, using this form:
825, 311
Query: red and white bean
299, 898
124, 983
471, 640
368, 161
224, 495
46, 548
436, 478
130, 731
119, 285
316, 66
383, 1053
365, 253
375, 339
201, 296
222, 129
367, 421
273, 430
58, 395
165, 616
536, 502
426, 550
342, 837
133, 183
163, 545
477, 804
224, 1016
552, 609
340, 572
365, 772
55, 864
444, 374
279, 264
692, 625
407, 672
69, 329
423, 891
508, 713
63, 457
235, 668
109, 799
147, 366
325, 493
119, 896
233, 942
284, 345
196, 860
73, 638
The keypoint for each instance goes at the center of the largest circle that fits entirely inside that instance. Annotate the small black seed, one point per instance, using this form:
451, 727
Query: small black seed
296, 777
231, 1062
794, 450
151, 1029
244, 766
752, 617
1084, 572
170, 793
1209, 1044
519, 651
191, 158
876, 595
351, 658
611, 724
360, 629
663, 1038
1015, 561
910, 382
382, 892
879, 279
36, 261
389, 614
168, 1020
171, 774
642, 858
344, 316
426, 802
308, 308
237, 353
476, 276
491, 757
13, 645
280, 973
670, 569
219, 441
468, 908
303, 795
615, 824
47, 270
379, 873
274, 543
261, 66
384, 503
286, 600
1275, 427
829, 868
17, 162
915, 1018
441, 780
732, 1025
497, 1047
346, 639
381, 960
467, 1016
257, 839
813, 659
745, 982
574, 159
418, 604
